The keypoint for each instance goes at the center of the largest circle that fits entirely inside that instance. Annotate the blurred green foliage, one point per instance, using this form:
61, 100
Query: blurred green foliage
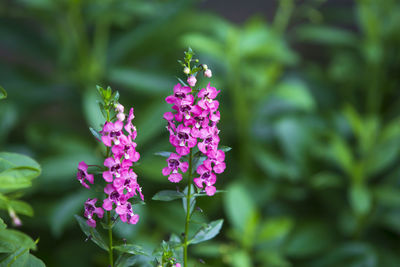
310, 105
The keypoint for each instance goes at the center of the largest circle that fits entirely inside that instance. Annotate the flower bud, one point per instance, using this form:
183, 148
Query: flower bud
121, 116
15, 219
191, 80
119, 107
186, 70
208, 73
205, 67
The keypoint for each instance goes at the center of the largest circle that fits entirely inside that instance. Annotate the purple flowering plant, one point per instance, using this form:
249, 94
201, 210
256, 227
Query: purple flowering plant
194, 134
116, 178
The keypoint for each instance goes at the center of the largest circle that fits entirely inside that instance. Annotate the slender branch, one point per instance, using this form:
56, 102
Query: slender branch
188, 197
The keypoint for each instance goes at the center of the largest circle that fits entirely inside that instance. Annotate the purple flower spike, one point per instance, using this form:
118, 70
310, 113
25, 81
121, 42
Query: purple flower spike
192, 122
121, 180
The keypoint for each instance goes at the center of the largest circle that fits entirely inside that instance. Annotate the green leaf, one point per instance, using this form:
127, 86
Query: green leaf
275, 229
91, 232
207, 232
18, 206
296, 94
95, 133
225, 148
64, 209
12, 160
126, 260
16, 259
33, 261
360, 199
140, 80
309, 238
182, 82
165, 154
130, 249
326, 35
3, 93
90, 103
239, 206
2, 224
17, 171
168, 195
11, 240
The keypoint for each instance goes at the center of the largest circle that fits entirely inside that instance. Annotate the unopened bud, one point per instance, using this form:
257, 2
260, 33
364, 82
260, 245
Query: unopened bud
119, 108
16, 220
192, 80
121, 116
208, 73
205, 67
186, 70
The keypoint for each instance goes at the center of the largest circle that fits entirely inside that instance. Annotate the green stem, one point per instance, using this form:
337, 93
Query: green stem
110, 239
188, 197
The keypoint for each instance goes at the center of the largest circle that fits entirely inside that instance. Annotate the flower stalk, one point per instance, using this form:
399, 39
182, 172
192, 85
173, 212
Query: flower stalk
188, 197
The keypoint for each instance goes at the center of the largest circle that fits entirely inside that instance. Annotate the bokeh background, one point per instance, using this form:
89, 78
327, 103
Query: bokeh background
310, 105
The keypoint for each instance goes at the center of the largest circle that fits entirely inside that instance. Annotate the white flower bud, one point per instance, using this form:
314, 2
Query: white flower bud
205, 67
119, 107
186, 70
208, 73
121, 116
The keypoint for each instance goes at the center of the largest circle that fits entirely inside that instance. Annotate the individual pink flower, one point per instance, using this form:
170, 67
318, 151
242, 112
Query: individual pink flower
114, 168
174, 164
128, 216
129, 127
113, 198
83, 175
183, 140
112, 133
191, 80
126, 149
180, 92
90, 210
207, 177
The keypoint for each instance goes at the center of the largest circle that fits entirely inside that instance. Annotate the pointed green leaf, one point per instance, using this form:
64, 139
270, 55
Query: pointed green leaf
33, 261
11, 240
168, 195
126, 260
165, 154
225, 148
92, 232
95, 133
207, 232
2, 224
3, 93
130, 249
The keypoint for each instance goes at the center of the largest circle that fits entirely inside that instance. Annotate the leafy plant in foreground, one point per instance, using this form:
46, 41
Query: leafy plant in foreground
16, 173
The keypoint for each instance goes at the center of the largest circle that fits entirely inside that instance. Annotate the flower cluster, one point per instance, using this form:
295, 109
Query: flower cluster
122, 183
194, 122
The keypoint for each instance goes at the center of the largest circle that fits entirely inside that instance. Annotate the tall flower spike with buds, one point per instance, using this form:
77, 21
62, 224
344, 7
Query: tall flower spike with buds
193, 122
118, 137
